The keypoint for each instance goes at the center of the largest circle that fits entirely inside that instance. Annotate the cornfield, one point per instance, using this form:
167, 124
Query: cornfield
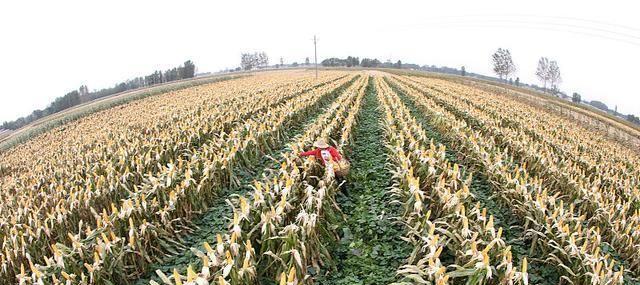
481, 188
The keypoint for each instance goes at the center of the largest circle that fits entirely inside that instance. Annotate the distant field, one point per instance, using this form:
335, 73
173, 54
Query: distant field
616, 128
591, 116
451, 181
9, 139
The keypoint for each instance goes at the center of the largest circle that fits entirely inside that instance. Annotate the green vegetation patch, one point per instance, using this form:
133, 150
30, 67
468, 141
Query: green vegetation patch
370, 248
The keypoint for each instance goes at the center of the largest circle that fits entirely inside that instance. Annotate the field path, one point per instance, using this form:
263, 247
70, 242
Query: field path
370, 248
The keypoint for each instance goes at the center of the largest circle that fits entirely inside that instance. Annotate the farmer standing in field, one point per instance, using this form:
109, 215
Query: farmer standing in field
330, 159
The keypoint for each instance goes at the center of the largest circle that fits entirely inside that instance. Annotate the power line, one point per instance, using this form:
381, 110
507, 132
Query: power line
636, 29
585, 27
532, 26
563, 25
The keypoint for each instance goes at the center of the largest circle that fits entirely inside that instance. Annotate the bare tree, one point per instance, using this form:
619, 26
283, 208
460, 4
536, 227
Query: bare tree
542, 72
503, 64
247, 61
263, 59
554, 75
255, 60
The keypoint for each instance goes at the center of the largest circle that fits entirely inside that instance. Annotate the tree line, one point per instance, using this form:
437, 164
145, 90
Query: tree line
249, 61
82, 95
352, 61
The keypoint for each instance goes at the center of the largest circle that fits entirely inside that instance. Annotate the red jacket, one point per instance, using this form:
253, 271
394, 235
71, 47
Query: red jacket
335, 155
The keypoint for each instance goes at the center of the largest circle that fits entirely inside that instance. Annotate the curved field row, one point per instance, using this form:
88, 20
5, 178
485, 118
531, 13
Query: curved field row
556, 230
589, 151
82, 110
440, 212
602, 207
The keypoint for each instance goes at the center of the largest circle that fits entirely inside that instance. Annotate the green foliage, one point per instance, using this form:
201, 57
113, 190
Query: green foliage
576, 98
370, 249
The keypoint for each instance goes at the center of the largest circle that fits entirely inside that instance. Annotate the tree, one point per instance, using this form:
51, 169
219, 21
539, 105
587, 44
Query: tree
281, 61
247, 61
576, 98
352, 61
306, 61
83, 90
463, 71
399, 64
542, 72
517, 81
633, 119
554, 76
188, 71
262, 59
599, 105
333, 61
549, 71
503, 64
368, 62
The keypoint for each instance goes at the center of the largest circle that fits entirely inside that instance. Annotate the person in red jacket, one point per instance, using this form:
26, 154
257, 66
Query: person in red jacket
323, 152
327, 155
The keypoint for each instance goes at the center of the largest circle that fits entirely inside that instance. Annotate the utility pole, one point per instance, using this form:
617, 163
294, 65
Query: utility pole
315, 53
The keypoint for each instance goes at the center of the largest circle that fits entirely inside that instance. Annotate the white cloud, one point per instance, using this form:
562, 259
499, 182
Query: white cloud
50, 48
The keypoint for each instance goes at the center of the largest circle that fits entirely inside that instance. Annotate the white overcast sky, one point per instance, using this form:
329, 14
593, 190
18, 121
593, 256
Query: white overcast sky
48, 48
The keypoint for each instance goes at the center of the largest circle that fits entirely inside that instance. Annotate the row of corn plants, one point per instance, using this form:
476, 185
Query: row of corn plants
440, 212
603, 209
144, 224
613, 163
277, 231
59, 194
557, 231
583, 161
344, 139
218, 111
612, 167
